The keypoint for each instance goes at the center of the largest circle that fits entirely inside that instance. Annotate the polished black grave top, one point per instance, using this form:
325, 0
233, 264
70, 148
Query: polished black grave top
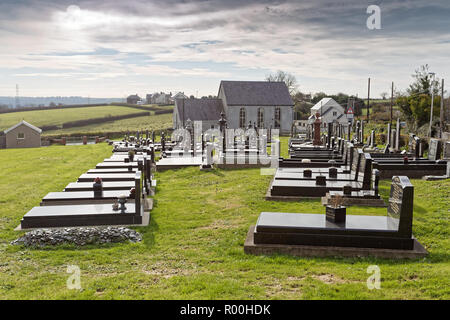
276, 222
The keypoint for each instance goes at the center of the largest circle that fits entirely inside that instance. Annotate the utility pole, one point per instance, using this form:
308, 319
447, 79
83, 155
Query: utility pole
17, 101
392, 100
368, 101
432, 102
441, 113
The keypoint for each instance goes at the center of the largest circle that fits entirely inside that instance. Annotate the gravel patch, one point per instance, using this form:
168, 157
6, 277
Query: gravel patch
80, 236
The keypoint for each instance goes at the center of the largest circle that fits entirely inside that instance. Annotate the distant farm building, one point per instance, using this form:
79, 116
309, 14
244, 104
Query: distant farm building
22, 135
159, 98
133, 99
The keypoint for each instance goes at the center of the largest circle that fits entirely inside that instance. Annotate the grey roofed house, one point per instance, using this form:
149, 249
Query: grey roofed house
21, 135
265, 104
206, 110
256, 93
23, 122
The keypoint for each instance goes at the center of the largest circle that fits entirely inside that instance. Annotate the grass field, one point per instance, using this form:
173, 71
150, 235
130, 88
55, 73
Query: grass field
193, 248
152, 122
41, 118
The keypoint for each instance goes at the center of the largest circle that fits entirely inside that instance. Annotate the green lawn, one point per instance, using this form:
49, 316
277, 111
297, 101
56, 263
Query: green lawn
41, 118
152, 122
193, 248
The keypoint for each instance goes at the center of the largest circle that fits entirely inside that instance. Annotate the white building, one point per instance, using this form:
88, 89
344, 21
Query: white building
330, 111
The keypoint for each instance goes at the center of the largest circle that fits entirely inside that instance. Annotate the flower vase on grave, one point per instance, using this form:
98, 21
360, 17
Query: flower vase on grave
98, 187
132, 193
335, 212
122, 199
405, 160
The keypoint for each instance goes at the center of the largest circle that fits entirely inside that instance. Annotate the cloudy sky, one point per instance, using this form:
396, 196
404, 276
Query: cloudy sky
114, 48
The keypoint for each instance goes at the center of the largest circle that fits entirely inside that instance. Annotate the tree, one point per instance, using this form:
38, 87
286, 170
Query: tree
287, 78
384, 95
423, 82
416, 103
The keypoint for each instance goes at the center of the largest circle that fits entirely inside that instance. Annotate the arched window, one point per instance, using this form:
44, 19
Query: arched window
260, 117
277, 117
242, 119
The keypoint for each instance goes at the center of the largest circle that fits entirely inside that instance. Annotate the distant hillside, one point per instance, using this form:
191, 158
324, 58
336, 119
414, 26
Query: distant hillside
45, 101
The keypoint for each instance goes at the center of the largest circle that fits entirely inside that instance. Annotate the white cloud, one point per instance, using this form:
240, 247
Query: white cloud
325, 43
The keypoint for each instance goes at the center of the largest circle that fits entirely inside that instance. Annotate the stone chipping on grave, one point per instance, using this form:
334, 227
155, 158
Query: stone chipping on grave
79, 236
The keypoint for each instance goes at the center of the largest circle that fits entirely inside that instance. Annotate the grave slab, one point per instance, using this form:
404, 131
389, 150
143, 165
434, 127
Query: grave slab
79, 215
250, 247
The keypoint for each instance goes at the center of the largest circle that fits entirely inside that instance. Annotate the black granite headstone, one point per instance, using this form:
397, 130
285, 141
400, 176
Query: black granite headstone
332, 172
321, 180
347, 189
307, 173
400, 208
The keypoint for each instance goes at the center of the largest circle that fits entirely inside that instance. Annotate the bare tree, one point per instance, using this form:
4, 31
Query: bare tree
287, 78
384, 95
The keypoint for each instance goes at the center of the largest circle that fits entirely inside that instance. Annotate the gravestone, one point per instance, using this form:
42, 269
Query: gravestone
358, 131
222, 127
397, 135
372, 138
388, 135
417, 146
329, 134
400, 208
376, 181
317, 124
307, 173
321, 180
332, 172
361, 139
447, 150
347, 189
411, 142
349, 131
393, 138
434, 150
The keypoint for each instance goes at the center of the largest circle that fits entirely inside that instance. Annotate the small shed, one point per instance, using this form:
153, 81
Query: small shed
23, 135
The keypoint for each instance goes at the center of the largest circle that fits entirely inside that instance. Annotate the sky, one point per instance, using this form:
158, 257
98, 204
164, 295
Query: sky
115, 48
